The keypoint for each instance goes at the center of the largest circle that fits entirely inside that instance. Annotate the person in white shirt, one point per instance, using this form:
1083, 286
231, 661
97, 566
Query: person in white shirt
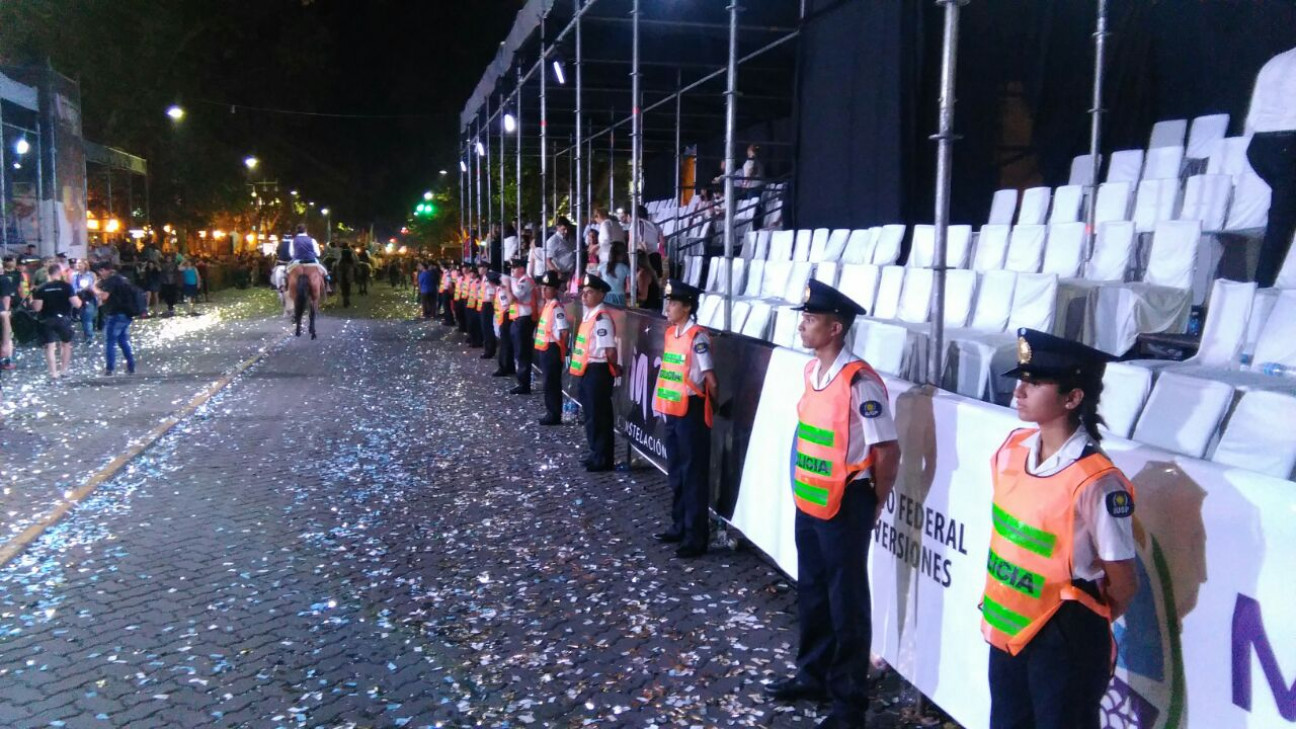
551, 345
845, 465
594, 361
1272, 153
511, 242
609, 232
559, 249
753, 174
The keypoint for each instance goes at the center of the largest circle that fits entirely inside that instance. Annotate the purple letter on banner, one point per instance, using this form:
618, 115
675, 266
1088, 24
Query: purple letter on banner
1249, 632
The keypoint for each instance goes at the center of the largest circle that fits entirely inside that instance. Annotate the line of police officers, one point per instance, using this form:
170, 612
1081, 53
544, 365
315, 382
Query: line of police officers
1061, 509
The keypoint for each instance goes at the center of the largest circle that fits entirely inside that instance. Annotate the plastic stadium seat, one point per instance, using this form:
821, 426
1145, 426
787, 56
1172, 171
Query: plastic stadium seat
1082, 173
1163, 163
1113, 201
694, 266
991, 248
781, 244
1160, 302
713, 271
887, 250
1034, 302
860, 282
1277, 339
1174, 253
757, 322
798, 277
1126, 166
1113, 251
993, 301
722, 274
1125, 389
960, 288
740, 311
1065, 249
1156, 201
774, 282
836, 246
755, 278
922, 249
1183, 413
708, 309
887, 304
1206, 199
915, 296
859, 247
877, 342
1168, 133
1206, 132
1034, 206
1229, 157
1002, 207
801, 252
1250, 206
818, 245
1026, 248
1258, 436
1224, 331
1066, 204
826, 273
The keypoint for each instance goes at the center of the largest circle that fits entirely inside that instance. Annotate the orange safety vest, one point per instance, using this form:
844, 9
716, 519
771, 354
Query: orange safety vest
535, 303
544, 333
458, 287
474, 295
500, 309
581, 352
1028, 570
673, 383
444, 286
821, 474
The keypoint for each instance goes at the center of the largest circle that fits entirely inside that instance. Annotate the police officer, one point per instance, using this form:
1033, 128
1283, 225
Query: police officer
594, 360
486, 307
685, 394
846, 459
504, 312
1061, 563
523, 315
445, 293
473, 307
551, 345
461, 298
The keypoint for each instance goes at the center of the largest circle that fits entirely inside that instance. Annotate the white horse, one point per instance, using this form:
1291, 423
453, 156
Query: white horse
279, 280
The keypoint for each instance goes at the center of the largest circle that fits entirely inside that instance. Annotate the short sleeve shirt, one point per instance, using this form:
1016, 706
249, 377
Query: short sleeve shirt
603, 334
871, 421
523, 293
560, 319
57, 298
7, 291
1099, 535
700, 363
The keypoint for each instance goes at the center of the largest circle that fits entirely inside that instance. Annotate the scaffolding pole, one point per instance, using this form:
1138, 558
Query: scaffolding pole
636, 156
1095, 125
731, 124
518, 172
944, 159
540, 231
579, 209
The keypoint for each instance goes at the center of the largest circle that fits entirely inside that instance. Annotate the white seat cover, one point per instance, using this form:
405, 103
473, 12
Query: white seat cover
1163, 163
785, 328
708, 309
722, 274
1287, 274
1026, 248
1125, 388
1066, 204
859, 281
781, 244
739, 313
1126, 166
757, 322
915, 296
827, 273
957, 243
755, 278
1034, 206
991, 248
801, 252
1226, 324
859, 247
1174, 253
695, 273
762, 244
1183, 413
887, 304
1156, 201
1002, 207
1034, 302
798, 277
1082, 170
836, 247
960, 287
1251, 199
1277, 339
1168, 133
993, 301
1065, 249
1206, 199
1113, 250
1229, 157
774, 282
713, 274
818, 244
1206, 132
1113, 201
922, 247
887, 250
749, 244
1258, 436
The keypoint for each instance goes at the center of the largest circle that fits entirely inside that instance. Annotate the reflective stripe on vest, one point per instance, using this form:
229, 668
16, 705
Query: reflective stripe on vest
584, 340
472, 296
1029, 566
821, 474
544, 333
673, 383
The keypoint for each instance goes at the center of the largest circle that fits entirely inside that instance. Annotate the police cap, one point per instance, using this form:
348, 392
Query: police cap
594, 282
677, 290
493, 277
820, 298
1042, 356
550, 278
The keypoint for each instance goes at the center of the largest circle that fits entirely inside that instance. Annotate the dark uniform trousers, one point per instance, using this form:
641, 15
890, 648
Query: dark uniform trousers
461, 316
596, 407
523, 348
551, 363
487, 325
474, 327
505, 357
446, 307
1058, 679
1273, 156
688, 460
833, 601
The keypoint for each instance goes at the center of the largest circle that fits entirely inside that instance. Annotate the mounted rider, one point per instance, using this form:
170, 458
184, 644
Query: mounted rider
305, 252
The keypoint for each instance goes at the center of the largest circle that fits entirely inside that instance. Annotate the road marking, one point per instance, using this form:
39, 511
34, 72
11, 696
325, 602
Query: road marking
15, 546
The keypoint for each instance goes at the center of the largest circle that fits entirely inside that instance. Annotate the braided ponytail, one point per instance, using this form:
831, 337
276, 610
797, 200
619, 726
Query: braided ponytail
1086, 416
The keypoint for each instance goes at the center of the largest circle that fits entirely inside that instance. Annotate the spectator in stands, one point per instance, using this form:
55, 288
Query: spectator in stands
1061, 564
647, 284
560, 249
53, 302
511, 243
616, 272
117, 299
846, 459
609, 231
753, 175
647, 238
1272, 153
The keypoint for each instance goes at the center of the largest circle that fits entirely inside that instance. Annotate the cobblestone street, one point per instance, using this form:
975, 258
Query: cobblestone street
361, 531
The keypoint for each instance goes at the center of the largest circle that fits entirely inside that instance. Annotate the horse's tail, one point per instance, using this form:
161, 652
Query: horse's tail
303, 293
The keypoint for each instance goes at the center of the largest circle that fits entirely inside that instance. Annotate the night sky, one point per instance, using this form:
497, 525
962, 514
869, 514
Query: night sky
416, 60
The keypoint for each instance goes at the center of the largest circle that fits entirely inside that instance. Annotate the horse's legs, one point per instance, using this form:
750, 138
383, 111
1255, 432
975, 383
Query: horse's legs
312, 320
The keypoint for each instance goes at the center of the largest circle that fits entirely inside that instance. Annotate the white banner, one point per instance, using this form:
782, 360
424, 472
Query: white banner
1211, 636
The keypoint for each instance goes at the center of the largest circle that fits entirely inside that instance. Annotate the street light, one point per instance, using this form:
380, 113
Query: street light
251, 162
175, 112
21, 146
442, 173
428, 195
463, 166
510, 123
558, 72
481, 151
328, 226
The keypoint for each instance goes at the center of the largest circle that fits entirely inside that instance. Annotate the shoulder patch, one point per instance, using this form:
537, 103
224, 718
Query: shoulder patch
1120, 504
701, 347
870, 408
601, 331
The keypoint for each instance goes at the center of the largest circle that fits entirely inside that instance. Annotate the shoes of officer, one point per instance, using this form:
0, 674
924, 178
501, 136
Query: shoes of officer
502, 373
668, 537
796, 689
591, 468
550, 421
520, 390
690, 552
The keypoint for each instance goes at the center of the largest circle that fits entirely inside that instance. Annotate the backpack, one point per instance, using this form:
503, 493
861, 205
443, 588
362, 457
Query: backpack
134, 299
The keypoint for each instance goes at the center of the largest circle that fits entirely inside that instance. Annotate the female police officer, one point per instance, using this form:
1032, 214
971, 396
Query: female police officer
1061, 562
